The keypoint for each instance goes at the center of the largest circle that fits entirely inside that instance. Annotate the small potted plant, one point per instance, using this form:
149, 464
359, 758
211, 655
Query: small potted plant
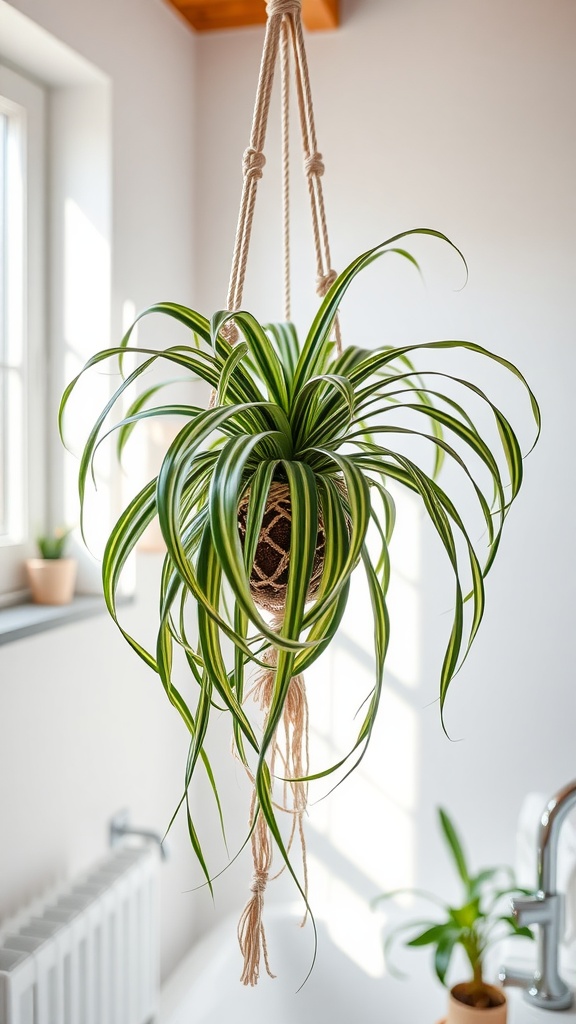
482, 919
52, 576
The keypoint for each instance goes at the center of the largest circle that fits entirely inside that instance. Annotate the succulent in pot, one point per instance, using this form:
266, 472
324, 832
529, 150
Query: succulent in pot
52, 576
53, 545
475, 926
272, 497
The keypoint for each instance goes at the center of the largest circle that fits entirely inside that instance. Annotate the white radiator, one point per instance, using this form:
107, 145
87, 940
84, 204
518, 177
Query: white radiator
90, 953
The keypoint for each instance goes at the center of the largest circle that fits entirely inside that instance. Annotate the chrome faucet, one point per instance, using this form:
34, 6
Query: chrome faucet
544, 987
120, 826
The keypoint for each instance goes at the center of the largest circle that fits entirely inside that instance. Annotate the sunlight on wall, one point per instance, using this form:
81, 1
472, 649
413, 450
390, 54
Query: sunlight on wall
137, 459
80, 184
351, 924
403, 653
86, 290
86, 273
362, 839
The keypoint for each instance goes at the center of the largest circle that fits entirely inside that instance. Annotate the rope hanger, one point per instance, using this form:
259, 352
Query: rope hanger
284, 35
284, 38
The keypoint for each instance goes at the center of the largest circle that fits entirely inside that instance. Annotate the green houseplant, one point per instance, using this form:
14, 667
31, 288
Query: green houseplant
52, 545
52, 576
481, 920
272, 496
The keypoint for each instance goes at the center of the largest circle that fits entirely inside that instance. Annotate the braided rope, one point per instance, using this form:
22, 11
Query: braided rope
313, 169
285, 82
254, 159
283, 32
282, 7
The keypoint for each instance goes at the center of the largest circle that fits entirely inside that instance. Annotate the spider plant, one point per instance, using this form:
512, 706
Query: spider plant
330, 428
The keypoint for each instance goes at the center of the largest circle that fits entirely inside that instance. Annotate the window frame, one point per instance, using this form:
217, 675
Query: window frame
77, 227
24, 101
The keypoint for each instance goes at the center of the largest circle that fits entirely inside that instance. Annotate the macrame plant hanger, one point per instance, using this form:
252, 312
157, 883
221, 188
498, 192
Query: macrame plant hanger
284, 34
284, 38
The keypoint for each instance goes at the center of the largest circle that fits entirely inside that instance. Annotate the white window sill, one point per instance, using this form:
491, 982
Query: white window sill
22, 620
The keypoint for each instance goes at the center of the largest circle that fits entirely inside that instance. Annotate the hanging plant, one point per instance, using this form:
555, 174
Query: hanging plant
265, 500
268, 496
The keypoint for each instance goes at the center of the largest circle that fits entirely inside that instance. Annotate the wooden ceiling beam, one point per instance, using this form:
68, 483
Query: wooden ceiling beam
320, 14
211, 15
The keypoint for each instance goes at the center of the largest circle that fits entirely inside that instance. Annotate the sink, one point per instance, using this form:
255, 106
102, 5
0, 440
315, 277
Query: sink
521, 1012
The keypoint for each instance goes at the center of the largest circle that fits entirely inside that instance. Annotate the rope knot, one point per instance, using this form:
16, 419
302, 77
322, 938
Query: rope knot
314, 164
253, 163
259, 883
281, 7
325, 281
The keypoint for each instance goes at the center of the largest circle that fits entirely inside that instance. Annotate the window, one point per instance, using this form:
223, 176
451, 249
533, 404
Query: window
22, 316
55, 245
6, 188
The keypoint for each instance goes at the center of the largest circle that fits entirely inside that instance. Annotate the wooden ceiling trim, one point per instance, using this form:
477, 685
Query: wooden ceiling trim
319, 15
211, 15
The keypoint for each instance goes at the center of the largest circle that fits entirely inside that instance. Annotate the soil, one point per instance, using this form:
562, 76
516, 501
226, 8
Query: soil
480, 998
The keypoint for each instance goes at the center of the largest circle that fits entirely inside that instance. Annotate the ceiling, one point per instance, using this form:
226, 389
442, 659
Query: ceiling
210, 15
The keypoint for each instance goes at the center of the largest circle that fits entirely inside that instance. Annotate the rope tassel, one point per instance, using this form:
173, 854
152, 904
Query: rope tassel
251, 934
291, 752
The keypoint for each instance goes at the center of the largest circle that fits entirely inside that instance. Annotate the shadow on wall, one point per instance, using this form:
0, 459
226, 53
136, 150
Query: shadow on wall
362, 838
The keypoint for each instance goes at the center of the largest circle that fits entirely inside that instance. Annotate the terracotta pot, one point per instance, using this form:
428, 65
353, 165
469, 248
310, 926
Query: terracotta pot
460, 1013
51, 579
